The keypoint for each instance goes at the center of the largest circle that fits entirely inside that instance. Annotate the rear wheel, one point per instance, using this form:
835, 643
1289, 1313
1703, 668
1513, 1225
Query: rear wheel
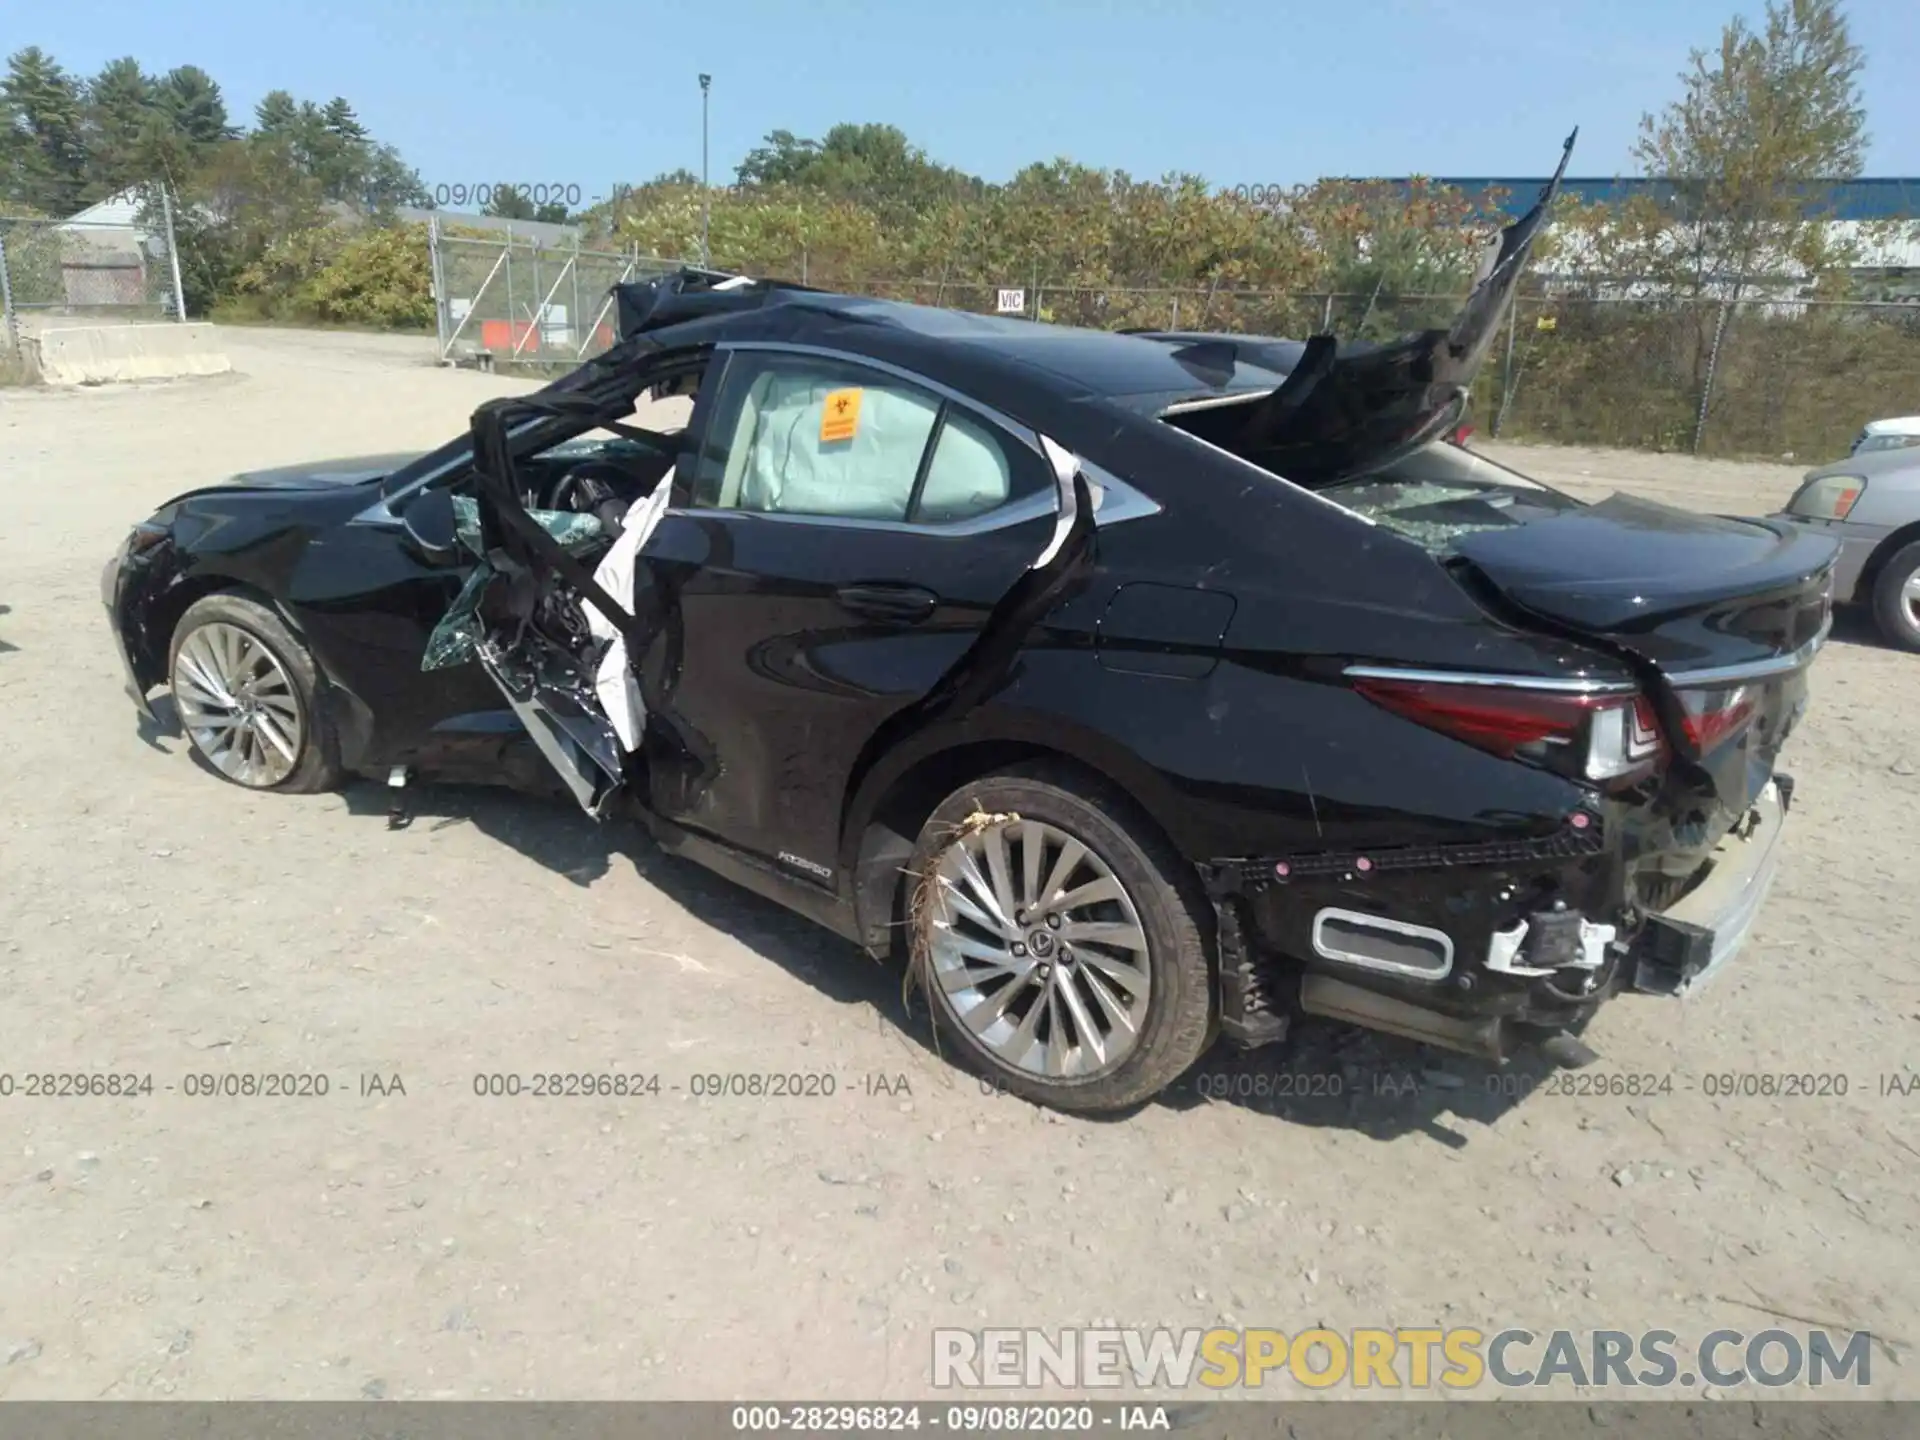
1060, 941
1896, 598
247, 694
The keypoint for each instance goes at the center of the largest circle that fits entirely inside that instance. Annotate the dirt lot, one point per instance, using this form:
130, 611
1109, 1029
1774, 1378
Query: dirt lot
436, 1244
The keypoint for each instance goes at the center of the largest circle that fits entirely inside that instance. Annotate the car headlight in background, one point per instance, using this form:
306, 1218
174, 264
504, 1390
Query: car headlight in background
1831, 497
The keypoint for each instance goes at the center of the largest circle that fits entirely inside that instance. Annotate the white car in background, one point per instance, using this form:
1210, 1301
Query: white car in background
1895, 434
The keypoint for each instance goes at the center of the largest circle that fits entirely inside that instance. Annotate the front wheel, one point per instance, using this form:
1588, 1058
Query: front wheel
1060, 940
248, 695
1896, 598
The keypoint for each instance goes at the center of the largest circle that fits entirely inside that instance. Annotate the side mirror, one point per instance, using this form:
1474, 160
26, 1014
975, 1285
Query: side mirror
429, 522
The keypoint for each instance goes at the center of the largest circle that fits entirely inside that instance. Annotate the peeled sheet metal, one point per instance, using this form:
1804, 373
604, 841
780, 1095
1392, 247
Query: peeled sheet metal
613, 681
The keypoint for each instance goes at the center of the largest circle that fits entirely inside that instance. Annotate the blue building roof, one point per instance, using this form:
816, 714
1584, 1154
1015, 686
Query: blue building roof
1880, 198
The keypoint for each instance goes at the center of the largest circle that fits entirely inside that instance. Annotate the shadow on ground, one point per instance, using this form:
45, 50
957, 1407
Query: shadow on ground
1323, 1075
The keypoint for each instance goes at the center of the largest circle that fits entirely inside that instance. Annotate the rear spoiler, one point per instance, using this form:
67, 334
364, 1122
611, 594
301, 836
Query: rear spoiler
692, 294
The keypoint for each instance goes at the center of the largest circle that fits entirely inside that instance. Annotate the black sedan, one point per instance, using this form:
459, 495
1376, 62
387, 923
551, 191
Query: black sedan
1135, 688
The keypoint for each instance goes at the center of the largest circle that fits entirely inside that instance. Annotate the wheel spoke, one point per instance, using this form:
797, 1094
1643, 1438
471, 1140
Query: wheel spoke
959, 981
1091, 893
994, 843
961, 903
267, 729
982, 889
1072, 852
1084, 1028
1132, 977
1123, 934
1102, 992
1033, 850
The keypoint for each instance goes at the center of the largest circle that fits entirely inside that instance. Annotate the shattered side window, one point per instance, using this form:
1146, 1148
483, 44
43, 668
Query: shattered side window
454, 639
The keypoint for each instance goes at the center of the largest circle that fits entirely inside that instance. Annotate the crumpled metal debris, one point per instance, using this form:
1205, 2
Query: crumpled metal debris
455, 639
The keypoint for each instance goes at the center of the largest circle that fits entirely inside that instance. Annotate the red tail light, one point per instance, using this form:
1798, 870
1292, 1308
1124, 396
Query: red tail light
1712, 717
1613, 739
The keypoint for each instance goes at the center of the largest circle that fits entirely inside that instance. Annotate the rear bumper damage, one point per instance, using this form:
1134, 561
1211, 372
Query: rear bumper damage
1479, 948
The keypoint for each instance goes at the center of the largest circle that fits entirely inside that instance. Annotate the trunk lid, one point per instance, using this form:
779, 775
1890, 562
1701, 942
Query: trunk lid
1719, 617
1682, 590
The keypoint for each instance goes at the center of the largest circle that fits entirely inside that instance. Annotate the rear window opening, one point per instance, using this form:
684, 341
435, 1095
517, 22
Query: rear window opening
1431, 496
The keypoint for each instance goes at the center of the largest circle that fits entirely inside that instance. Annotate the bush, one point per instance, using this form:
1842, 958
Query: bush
381, 277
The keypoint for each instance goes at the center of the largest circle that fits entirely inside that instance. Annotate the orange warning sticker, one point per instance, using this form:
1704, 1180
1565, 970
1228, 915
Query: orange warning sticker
840, 416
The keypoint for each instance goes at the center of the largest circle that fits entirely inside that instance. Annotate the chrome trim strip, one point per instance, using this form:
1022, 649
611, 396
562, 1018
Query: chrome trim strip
1757, 669
1559, 685
1014, 512
1114, 500
1214, 402
1380, 922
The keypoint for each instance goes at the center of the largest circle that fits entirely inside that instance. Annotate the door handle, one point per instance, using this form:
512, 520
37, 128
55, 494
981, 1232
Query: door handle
905, 604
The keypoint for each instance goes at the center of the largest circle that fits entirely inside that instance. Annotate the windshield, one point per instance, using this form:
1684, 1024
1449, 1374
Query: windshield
1885, 440
1442, 491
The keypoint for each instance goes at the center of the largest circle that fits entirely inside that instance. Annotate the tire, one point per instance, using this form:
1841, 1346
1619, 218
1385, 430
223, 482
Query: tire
270, 729
986, 1007
1896, 598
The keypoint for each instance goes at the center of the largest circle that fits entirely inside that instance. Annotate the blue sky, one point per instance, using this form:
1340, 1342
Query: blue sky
590, 93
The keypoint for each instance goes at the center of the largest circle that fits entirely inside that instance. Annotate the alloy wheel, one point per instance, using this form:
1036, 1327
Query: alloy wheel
238, 704
1038, 949
1910, 597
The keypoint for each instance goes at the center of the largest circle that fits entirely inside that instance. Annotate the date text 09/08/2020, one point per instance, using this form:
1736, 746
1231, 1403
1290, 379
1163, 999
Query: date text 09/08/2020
488, 192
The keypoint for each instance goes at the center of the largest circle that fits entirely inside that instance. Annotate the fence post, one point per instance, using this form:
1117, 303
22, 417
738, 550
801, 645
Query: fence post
438, 272
573, 315
1176, 310
536, 330
511, 312
173, 258
1326, 316
1713, 363
6, 302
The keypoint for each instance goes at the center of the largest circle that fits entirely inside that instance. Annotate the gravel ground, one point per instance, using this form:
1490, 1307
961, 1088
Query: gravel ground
435, 1244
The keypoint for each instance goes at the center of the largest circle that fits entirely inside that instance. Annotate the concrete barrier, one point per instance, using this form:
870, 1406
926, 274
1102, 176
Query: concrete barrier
99, 354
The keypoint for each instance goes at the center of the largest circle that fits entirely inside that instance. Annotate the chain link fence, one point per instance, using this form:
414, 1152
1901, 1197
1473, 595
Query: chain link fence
1767, 376
56, 272
505, 298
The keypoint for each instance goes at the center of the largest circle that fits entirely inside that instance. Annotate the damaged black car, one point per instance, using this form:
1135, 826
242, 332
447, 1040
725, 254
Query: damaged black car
1135, 689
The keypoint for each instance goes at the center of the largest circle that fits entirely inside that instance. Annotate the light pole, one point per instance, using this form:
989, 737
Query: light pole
706, 261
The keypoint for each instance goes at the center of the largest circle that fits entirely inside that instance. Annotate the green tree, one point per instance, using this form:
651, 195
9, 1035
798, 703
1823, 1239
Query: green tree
42, 144
276, 114
875, 164
191, 99
509, 204
1760, 122
119, 104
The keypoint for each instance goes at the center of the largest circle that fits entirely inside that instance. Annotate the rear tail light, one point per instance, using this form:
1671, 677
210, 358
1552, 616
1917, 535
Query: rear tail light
1712, 717
1831, 497
1613, 740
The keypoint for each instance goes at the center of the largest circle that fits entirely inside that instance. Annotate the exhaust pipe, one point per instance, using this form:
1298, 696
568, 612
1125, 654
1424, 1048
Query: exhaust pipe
1338, 1000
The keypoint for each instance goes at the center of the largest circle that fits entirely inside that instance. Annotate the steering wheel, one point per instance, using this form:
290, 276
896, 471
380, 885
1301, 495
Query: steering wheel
588, 486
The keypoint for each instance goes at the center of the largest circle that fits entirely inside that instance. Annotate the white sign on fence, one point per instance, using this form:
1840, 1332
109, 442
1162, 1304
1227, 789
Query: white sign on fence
1012, 302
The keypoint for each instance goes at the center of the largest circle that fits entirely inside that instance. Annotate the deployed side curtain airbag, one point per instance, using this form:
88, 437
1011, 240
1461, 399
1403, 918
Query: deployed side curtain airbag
793, 470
